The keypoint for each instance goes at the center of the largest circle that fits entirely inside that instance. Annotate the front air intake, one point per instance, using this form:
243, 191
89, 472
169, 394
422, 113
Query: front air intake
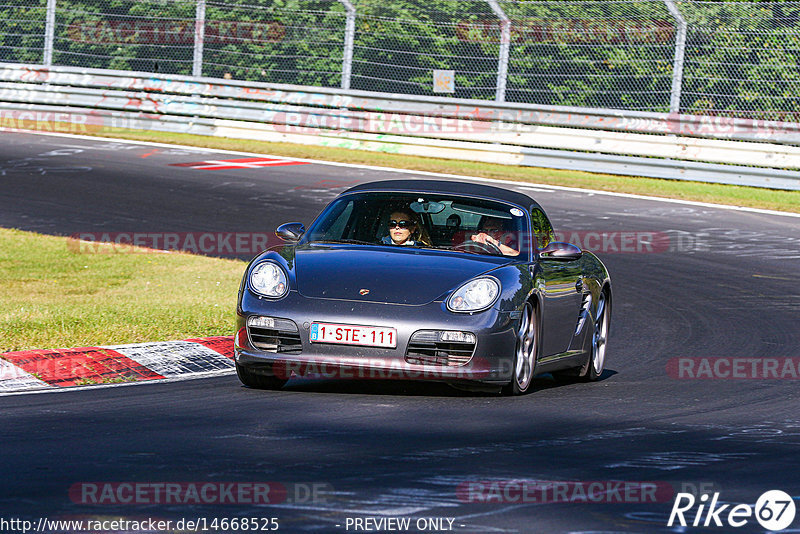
274, 335
427, 347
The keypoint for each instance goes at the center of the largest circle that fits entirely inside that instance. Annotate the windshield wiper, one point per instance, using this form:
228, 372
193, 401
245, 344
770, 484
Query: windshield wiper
347, 241
451, 249
465, 250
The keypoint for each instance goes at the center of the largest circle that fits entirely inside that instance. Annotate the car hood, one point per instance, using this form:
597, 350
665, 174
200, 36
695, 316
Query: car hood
390, 275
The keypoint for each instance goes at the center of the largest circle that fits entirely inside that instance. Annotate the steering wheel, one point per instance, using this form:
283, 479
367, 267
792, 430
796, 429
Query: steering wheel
487, 248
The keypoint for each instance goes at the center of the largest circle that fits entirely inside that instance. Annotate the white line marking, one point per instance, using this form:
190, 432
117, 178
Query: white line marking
433, 174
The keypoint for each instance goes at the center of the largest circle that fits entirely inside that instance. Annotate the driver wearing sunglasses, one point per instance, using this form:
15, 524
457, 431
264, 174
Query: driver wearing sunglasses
402, 229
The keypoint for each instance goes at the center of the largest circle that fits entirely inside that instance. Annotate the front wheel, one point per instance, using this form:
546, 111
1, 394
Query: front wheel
525, 353
257, 380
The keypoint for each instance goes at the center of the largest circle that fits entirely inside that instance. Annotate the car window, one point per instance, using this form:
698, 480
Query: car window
542, 229
446, 222
339, 222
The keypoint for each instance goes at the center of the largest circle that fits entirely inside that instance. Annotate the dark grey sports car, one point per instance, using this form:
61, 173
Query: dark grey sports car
425, 280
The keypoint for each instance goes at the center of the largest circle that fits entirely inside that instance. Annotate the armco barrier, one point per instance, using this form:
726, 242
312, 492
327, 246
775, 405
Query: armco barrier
756, 153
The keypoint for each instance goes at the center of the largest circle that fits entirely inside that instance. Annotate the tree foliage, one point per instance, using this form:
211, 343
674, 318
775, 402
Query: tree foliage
741, 58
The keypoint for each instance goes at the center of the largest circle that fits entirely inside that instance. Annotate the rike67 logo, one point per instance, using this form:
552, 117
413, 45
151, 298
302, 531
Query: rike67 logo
774, 511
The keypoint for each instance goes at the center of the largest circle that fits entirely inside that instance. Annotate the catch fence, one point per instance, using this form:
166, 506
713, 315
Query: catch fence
729, 59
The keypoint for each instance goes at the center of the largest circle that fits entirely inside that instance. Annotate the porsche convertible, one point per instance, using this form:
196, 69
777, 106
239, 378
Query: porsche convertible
424, 280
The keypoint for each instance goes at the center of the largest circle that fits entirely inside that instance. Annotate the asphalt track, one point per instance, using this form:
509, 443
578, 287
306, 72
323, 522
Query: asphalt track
725, 287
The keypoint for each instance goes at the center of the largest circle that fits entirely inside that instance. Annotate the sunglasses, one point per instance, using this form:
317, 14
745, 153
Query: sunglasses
400, 224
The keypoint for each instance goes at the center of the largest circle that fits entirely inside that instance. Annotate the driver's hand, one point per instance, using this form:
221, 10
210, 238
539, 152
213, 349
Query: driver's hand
485, 238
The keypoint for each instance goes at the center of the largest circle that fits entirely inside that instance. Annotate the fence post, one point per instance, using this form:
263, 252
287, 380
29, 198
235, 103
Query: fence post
505, 46
49, 32
349, 40
199, 37
677, 65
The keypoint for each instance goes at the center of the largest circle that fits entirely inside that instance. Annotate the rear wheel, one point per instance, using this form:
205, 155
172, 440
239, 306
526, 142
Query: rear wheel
258, 380
525, 353
602, 320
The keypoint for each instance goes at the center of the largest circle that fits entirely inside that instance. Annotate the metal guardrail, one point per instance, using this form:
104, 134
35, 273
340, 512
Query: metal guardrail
321, 97
609, 141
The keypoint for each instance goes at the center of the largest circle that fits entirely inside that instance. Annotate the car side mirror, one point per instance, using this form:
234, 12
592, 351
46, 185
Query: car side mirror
291, 232
560, 251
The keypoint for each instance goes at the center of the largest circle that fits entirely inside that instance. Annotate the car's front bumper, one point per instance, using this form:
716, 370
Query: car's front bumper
491, 362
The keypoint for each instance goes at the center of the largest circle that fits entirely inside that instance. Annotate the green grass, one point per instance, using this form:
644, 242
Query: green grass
716, 193
55, 297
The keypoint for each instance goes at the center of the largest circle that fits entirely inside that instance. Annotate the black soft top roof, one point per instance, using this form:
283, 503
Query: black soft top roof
446, 186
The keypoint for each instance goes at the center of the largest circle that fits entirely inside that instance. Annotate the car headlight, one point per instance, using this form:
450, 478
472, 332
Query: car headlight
475, 295
269, 280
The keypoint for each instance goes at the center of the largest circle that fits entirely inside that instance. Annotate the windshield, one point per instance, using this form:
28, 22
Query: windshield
449, 222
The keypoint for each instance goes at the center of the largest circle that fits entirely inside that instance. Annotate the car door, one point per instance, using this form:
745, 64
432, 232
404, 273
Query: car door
562, 293
562, 303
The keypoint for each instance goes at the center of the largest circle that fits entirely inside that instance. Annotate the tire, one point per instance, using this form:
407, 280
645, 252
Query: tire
258, 380
602, 321
525, 353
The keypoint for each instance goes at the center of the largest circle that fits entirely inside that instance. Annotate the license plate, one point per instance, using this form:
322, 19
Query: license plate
347, 334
